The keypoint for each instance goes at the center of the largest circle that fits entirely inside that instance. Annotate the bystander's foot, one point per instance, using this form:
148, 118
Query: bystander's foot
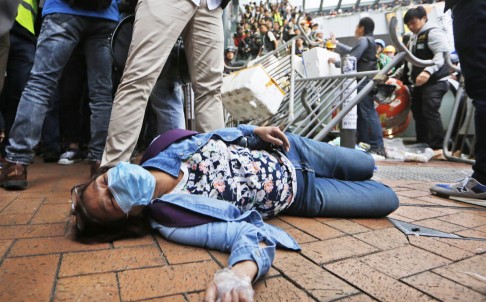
468, 188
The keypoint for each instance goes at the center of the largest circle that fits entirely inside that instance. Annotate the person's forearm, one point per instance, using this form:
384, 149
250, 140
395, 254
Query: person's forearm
246, 268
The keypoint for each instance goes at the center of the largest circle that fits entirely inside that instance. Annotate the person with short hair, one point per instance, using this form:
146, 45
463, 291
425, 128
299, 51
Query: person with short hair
369, 126
430, 83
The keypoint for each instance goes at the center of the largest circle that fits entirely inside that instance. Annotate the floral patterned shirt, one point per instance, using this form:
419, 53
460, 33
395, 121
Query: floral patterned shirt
250, 179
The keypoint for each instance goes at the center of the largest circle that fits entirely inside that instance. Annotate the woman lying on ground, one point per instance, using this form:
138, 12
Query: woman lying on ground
213, 189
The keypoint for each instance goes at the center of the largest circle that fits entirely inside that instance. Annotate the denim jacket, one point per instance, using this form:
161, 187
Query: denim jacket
235, 232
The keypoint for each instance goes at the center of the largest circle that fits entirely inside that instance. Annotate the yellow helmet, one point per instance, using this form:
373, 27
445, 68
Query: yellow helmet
329, 44
390, 48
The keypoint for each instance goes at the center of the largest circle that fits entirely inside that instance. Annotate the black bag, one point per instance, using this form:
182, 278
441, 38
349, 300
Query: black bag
92, 5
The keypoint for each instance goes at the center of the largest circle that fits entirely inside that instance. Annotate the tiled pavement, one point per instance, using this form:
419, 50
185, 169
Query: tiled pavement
341, 259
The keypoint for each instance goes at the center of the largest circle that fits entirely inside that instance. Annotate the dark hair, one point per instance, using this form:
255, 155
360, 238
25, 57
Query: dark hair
84, 228
368, 25
416, 12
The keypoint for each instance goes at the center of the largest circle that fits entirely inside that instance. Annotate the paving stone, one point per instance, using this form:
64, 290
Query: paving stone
220, 257
468, 272
471, 233
376, 284
439, 225
481, 228
110, 260
175, 298
63, 197
336, 249
28, 278
442, 288
321, 284
178, 253
96, 287
279, 289
300, 236
23, 206
15, 219
444, 201
4, 246
373, 224
37, 246
404, 261
465, 219
52, 213
395, 216
147, 283
276, 221
439, 248
145, 240
32, 231
357, 298
347, 226
417, 213
313, 227
384, 239
413, 193
7, 197
473, 246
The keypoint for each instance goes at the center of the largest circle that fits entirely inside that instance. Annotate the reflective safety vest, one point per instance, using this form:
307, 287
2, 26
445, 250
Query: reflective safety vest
26, 14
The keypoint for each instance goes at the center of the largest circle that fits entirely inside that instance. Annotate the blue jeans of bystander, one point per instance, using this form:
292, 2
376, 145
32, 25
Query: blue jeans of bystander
60, 34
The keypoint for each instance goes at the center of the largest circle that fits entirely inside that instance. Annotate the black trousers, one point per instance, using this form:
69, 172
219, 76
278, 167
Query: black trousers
469, 25
426, 102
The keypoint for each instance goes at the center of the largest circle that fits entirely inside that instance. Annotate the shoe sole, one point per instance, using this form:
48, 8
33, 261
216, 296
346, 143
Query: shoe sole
15, 185
448, 196
68, 161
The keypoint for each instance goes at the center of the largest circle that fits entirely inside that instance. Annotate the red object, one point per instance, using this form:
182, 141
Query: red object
395, 116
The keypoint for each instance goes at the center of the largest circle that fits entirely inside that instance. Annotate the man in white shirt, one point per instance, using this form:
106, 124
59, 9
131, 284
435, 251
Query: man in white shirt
158, 24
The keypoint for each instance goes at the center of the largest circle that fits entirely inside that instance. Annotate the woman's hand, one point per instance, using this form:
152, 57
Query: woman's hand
234, 284
274, 136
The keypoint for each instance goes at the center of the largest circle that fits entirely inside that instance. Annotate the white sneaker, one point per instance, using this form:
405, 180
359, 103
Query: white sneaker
70, 157
468, 188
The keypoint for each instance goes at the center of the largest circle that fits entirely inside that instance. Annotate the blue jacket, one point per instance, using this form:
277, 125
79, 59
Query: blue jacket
59, 6
237, 233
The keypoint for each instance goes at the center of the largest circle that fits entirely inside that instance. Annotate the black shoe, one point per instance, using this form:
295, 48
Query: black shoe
380, 151
51, 156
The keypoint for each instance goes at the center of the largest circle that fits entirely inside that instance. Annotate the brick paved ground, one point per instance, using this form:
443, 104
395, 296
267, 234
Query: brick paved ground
341, 259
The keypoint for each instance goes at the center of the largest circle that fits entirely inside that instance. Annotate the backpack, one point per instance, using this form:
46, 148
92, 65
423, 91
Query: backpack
92, 5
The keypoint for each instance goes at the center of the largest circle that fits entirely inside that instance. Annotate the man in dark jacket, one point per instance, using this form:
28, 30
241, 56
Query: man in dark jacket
430, 83
369, 126
469, 24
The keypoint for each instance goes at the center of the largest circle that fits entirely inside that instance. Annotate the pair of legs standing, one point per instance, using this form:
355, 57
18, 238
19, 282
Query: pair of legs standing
426, 102
158, 24
60, 34
368, 124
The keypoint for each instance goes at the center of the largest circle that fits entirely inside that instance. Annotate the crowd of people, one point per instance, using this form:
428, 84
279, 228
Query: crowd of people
194, 187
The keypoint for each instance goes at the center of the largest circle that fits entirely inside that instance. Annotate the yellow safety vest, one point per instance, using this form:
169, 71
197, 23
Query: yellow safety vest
26, 14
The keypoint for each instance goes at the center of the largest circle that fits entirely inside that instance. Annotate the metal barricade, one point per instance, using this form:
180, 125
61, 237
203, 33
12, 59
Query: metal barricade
314, 107
460, 136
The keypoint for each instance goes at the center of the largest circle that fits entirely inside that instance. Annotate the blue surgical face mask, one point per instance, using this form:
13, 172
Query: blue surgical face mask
131, 185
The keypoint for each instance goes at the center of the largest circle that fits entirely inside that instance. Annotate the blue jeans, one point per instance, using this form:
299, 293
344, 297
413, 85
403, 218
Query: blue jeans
60, 34
368, 125
335, 182
167, 100
19, 65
